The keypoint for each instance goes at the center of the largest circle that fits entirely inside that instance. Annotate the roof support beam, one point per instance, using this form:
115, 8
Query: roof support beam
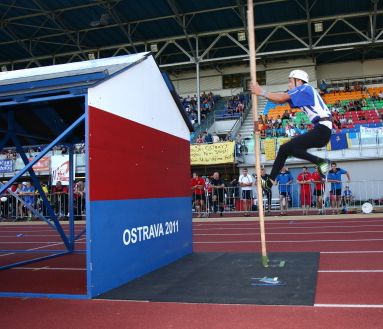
60, 24
181, 20
373, 24
116, 17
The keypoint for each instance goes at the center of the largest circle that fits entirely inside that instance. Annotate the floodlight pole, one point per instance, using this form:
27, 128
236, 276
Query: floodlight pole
257, 139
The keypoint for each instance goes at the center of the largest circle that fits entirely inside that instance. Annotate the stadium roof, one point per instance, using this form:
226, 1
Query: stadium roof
45, 32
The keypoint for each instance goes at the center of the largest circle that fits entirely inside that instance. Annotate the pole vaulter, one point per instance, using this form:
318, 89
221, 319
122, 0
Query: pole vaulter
257, 151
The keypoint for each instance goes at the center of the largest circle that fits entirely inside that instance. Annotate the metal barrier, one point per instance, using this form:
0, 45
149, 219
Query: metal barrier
14, 207
230, 200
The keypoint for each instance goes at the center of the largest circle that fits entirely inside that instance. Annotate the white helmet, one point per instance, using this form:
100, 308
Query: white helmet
299, 74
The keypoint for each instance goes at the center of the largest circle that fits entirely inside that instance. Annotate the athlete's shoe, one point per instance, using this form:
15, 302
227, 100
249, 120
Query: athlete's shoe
324, 168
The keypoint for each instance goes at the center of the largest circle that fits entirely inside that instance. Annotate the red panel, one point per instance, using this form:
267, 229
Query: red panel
128, 160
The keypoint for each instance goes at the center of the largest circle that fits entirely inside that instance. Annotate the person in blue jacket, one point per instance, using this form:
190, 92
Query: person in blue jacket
334, 177
284, 180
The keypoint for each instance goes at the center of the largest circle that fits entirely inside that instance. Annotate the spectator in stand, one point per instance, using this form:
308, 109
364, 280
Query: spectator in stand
323, 87
41, 206
286, 115
5, 204
302, 129
246, 182
342, 121
208, 138
199, 139
270, 130
284, 180
280, 131
289, 130
198, 193
347, 198
334, 176
238, 144
381, 95
347, 87
216, 138
319, 187
27, 194
228, 137
266, 190
60, 199
304, 179
79, 199
218, 193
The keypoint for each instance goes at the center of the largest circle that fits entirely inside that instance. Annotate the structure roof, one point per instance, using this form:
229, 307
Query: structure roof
37, 32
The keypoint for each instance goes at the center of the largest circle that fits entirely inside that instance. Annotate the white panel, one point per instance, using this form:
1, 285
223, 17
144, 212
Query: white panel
140, 94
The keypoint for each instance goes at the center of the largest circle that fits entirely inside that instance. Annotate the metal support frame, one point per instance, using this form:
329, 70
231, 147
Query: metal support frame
187, 31
69, 241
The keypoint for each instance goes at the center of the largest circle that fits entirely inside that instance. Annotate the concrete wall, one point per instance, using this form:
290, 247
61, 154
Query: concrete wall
276, 74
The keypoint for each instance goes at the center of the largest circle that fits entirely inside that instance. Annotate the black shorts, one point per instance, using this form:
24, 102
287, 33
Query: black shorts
318, 192
337, 192
219, 195
199, 197
284, 194
246, 194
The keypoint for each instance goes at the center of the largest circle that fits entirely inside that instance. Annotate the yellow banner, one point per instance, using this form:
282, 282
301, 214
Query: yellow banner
269, 145
283, 140
206, 154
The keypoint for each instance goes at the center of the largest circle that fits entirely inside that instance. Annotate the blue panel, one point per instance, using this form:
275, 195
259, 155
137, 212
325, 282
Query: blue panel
129, 238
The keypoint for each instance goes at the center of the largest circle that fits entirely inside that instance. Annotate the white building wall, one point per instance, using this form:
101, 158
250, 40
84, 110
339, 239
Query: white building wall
350, 69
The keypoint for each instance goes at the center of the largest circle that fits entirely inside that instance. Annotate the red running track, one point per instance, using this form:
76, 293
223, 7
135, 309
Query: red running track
349, 288
61, 275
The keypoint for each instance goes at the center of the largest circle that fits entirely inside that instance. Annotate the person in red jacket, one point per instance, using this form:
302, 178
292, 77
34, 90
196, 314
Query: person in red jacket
198, 191
319, 186
304, 179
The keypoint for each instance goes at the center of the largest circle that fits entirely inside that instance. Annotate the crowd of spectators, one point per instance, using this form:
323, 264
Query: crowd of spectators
281, 126
21, 198
236, 104
11, 153
207, 101
211, 194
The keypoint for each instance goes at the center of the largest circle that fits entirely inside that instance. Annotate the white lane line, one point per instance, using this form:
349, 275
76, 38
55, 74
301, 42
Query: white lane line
350, 271
285, 221
288, 241
26, 242
25, 235
49, 268
353, 252
350, 305
42, 247
284, 233
285, 227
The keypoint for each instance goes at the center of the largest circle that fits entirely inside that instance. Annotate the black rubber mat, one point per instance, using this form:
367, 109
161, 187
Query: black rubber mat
227, 278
